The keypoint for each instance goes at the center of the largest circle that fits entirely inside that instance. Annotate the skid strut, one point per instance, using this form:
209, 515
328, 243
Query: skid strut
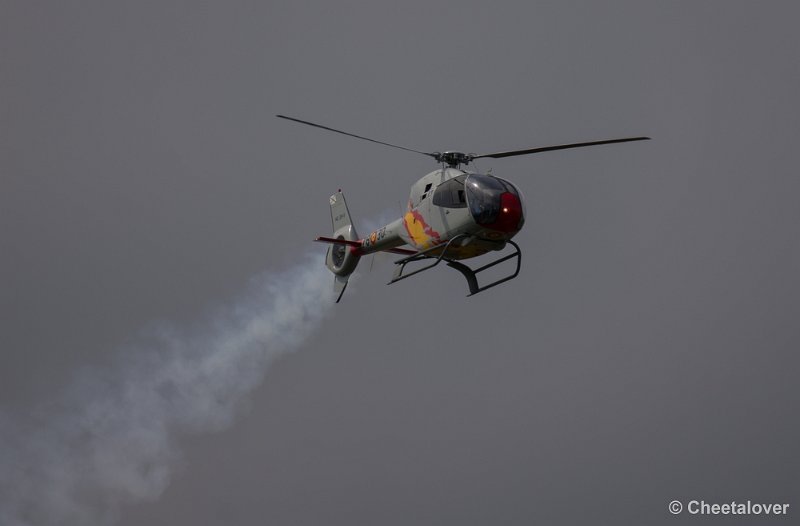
468, 273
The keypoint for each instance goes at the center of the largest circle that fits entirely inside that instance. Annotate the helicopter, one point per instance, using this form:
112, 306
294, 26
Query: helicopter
453, 214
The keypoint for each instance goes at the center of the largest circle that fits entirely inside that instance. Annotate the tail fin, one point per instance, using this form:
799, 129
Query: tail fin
340, 259
340, 217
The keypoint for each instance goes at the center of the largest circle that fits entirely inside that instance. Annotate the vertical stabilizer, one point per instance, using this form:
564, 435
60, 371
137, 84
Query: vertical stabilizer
340, 259
340, 217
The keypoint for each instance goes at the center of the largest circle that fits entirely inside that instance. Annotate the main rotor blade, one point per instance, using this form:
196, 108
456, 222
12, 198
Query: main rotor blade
500, 155
354, 135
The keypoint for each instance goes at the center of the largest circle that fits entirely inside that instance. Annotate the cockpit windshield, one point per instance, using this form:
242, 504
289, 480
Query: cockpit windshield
484, 197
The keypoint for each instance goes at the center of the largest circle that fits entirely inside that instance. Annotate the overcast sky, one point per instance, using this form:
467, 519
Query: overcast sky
647, 352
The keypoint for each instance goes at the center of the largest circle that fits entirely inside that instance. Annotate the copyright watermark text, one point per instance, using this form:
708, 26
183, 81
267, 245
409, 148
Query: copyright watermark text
701, 507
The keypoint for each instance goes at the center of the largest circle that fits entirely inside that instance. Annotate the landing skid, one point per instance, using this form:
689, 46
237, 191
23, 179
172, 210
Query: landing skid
469, 273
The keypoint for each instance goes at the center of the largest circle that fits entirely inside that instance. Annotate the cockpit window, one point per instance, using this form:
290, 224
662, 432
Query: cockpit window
450, 194
484, 193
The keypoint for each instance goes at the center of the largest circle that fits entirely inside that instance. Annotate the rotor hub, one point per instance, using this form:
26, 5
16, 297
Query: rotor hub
453, 159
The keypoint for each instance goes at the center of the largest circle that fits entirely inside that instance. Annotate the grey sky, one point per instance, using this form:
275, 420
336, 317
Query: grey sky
647, 352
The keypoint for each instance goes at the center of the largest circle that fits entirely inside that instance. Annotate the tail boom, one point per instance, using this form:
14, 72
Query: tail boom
346, 248
359, 249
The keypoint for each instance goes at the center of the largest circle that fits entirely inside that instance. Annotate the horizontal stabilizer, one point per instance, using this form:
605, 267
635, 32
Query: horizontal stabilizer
347, 242
357, 244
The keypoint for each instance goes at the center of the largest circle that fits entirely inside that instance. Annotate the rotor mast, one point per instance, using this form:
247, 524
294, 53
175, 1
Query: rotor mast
453, 159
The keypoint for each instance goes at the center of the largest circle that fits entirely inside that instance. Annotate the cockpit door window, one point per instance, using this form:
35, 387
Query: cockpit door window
451, 194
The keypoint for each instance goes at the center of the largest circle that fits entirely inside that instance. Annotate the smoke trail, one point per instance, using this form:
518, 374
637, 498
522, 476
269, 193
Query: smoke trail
111, 438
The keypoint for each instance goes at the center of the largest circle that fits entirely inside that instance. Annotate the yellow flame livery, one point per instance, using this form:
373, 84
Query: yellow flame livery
422, 236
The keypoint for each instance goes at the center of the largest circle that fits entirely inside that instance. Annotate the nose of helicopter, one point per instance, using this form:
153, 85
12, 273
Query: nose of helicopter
510, 215
495, 203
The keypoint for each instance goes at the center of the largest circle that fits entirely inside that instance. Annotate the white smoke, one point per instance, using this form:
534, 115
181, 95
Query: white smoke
111, 438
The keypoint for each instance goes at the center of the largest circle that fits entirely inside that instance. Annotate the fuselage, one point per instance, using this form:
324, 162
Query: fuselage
484, 210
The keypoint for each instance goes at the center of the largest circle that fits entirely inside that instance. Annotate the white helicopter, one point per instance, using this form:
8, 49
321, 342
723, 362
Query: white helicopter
453, 214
